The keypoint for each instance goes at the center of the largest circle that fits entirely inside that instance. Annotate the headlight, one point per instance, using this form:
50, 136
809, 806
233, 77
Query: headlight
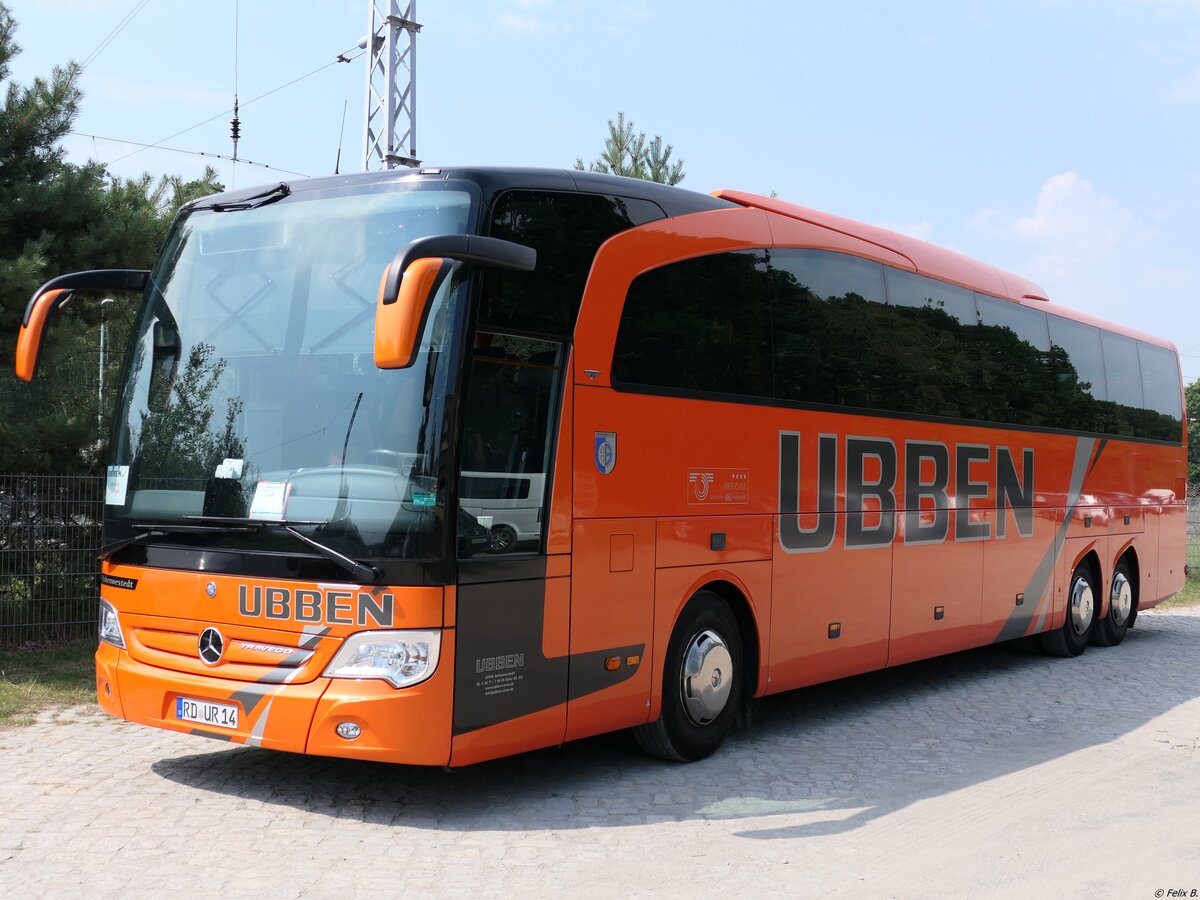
110, 626
403, 658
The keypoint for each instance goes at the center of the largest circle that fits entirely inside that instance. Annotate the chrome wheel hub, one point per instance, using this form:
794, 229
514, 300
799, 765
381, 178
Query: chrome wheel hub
706, 678
1082, 605
1120, 599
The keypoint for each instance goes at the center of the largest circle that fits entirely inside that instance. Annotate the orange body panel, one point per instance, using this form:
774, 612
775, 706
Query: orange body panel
926, 579
689, 542
612, 586
410, 726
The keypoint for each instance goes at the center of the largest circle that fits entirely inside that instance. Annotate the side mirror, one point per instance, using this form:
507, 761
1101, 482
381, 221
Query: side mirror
49, 299
412, 279
399, 323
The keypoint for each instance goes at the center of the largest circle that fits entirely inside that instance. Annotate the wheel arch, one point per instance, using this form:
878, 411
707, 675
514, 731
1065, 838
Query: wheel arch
739, 604
1092, 559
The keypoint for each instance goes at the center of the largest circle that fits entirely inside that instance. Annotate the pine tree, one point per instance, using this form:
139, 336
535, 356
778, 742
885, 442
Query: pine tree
626, 152
57, 217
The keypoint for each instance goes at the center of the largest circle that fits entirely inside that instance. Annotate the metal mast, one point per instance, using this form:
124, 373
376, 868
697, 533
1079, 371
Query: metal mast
390, 123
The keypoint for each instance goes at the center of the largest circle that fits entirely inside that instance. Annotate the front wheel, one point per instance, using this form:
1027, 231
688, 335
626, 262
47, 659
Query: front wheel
1110, 630
1072, 638
701, 683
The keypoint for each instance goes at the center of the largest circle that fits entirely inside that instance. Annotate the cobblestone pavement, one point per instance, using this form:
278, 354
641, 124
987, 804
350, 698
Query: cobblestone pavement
991, 773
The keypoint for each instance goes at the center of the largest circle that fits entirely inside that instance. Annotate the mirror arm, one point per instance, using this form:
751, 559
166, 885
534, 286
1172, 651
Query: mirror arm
492, 252
97, 280
51, 296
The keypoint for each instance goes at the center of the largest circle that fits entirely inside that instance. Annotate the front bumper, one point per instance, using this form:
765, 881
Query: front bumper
410, 725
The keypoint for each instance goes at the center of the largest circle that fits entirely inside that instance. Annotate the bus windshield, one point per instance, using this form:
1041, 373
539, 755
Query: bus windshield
250, 389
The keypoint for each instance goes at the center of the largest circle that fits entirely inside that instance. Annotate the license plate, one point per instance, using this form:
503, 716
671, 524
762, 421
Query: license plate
219, 715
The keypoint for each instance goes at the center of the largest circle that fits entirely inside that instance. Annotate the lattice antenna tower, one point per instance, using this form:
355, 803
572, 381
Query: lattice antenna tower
390, 123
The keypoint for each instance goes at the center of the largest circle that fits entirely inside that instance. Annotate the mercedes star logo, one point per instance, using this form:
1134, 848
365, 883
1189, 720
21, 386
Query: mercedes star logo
212, 645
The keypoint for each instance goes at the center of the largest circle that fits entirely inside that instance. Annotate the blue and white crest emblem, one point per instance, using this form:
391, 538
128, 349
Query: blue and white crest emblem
606, 451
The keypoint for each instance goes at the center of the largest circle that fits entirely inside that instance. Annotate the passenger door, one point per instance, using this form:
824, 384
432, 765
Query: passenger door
513, 604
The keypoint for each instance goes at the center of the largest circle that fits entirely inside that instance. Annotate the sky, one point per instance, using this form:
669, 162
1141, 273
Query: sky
1057, 139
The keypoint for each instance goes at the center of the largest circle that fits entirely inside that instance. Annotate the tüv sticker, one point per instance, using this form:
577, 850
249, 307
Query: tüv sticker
606, 451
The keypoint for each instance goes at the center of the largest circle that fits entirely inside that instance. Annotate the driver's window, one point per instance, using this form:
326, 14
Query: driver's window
506, 444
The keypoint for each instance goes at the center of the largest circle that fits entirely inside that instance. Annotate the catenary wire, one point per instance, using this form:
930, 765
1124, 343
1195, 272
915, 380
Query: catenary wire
249, 162
112, 35
341, 57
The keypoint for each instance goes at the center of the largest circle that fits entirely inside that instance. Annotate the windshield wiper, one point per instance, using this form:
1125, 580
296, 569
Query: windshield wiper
362, 571
271, 195
146, 532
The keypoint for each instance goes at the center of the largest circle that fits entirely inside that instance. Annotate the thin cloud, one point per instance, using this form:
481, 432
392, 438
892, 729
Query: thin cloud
1092, 253
1070, 217
1186, 90
521, 24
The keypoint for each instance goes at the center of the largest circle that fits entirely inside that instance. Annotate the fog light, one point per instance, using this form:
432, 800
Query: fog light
348, 731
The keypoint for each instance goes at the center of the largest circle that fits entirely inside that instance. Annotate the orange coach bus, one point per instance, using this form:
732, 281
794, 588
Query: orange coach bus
436, 466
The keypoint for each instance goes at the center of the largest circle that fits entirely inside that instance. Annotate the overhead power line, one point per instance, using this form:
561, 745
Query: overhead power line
112, 35
341, 58
249, 162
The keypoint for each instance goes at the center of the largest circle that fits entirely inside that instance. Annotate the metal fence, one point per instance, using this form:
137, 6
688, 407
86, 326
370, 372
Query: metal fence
1193, 528
50, 533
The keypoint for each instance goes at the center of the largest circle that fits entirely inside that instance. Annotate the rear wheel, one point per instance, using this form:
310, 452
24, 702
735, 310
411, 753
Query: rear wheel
701, 683
1072, 638
1110, 629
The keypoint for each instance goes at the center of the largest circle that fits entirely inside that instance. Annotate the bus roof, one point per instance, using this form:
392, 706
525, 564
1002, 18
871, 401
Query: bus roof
925, 258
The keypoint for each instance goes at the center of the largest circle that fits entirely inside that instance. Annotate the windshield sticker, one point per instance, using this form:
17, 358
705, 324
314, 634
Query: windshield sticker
230, 468
424, 498
725, 486
606, 451
269, 500
116, 485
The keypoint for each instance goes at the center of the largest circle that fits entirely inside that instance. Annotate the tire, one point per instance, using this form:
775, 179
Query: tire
1072, 638
1110, 630
504, 539
702, 689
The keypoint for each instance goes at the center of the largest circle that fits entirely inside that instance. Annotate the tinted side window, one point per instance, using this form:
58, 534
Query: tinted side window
1160, 390
1015, 382
830, 321
1123, 376
699, 325
1078, 368
934, 346
566, 229
1122, 373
